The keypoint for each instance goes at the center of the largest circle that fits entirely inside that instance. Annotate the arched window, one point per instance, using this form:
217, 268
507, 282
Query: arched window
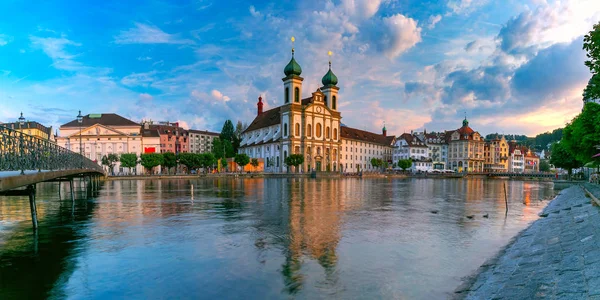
334, 103
309, 130
325, 100
285, 129
297, 95
287, 95
327, 134
297, 129
318, 130
335, 133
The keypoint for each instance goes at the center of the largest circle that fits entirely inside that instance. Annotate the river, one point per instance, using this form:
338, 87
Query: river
227, 238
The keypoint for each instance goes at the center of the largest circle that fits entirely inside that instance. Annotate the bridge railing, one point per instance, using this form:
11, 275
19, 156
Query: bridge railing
23, 152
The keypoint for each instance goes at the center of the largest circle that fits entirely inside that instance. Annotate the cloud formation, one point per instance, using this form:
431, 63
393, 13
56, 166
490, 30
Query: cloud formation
148, 34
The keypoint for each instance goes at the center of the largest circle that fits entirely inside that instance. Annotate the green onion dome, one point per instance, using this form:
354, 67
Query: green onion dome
329, 79
292, 68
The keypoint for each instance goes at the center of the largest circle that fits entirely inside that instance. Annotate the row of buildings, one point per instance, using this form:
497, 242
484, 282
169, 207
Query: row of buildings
312, 127
96, 135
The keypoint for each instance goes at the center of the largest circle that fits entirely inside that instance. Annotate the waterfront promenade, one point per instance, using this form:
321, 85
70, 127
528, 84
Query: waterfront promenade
557, 257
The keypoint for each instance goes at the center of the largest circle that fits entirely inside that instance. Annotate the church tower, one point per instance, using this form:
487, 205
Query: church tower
292, 82
329, 89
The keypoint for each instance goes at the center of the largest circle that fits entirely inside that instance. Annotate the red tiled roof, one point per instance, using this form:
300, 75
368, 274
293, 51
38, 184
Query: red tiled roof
267, 118
365, 136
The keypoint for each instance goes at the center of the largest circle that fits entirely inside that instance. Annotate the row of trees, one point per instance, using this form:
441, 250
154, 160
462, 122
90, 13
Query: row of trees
167, 160
581, 137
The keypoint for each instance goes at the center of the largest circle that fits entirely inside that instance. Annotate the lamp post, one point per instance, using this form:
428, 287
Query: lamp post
80, 121
21, 121
21, 143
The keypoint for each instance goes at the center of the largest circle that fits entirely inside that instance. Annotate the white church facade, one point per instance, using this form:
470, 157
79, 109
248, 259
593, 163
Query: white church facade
311, 127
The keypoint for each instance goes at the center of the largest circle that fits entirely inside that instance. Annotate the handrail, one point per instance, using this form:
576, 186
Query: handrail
23, 152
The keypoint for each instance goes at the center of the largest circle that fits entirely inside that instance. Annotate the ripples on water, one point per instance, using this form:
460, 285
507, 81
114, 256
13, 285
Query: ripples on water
260, 238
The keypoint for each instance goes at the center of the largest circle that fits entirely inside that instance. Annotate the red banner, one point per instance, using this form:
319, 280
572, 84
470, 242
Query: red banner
149, 149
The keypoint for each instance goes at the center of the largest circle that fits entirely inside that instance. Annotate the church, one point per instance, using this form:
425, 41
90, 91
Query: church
312, 127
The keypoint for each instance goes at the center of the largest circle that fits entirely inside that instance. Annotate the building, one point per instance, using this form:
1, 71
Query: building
310, 126
102, 134
359, 147
522, 159
410, 146
532, 162
31, 128
173, 138
201, 141
438, 148
150, 139
496, 156
465, 149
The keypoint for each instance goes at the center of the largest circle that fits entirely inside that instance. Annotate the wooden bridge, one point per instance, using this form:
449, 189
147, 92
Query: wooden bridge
27, 160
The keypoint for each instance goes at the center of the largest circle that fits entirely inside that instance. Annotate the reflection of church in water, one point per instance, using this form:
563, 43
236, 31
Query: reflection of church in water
312, 127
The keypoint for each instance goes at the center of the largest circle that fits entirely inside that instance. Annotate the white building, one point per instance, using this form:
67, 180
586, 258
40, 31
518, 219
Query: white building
102, 134
311, 127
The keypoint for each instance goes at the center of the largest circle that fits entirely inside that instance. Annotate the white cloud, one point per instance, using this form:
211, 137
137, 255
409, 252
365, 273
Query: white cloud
143, 58
148, 34
219, 96
401, 34
464, 6
4, 39
434, 19
139, 79
56, 49
255, 13
361, 9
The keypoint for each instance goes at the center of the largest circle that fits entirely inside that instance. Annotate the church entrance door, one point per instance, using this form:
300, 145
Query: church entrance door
318, 166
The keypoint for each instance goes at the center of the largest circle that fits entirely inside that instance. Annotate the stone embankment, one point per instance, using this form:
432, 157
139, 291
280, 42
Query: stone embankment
557, 257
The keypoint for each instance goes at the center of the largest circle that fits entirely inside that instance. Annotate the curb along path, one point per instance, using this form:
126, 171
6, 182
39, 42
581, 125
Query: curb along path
557, 257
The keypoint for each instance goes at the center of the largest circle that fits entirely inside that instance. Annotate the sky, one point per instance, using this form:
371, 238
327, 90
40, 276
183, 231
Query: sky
510, 66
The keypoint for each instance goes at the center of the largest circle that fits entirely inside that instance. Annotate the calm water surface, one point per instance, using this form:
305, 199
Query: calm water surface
260, 238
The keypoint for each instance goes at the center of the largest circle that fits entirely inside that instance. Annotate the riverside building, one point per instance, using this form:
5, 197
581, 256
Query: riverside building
312, 127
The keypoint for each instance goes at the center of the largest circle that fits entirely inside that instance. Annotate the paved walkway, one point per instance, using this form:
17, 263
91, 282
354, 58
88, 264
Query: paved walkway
557, 257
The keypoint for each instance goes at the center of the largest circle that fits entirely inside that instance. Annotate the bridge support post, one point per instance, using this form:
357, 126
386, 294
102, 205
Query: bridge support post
59, 186
31, 191
72, 192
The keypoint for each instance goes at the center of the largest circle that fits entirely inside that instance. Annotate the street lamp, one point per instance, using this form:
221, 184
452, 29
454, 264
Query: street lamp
21, 121
80, 121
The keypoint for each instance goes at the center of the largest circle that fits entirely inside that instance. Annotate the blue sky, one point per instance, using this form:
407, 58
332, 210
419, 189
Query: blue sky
512, 66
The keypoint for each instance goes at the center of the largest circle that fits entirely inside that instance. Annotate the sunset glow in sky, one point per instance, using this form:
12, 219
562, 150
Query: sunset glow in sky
513, 66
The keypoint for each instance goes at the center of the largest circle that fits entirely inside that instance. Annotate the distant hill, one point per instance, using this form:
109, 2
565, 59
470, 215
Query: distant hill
539, 142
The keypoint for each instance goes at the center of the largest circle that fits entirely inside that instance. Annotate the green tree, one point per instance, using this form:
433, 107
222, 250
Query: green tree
591, 44
544, 166
254, 163
169, 161
219, 145
242, 160
228, 131
405, 164
376, 162
294, 160
128, 160
562, 158
191, 161
237, 136
582, 135
208, 161
151, 160
109, 161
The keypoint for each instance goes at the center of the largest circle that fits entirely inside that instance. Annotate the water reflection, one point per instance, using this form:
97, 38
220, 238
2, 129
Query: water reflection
267, 238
